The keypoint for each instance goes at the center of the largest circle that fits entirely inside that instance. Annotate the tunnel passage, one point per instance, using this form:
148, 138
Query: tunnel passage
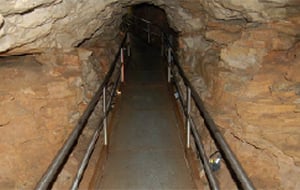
156, 23
144, 151
135, 140
243, 58
151, 13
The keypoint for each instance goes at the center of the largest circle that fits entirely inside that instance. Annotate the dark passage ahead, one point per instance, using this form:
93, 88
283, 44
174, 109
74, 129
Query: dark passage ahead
145, 150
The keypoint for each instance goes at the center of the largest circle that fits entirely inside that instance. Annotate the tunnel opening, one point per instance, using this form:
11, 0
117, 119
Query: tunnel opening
151, 13
153, 19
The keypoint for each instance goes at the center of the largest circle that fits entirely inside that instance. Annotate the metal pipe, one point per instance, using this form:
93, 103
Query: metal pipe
169, 73
128, 50
149, 33
169, 64
122, 66
210, 124
226, 151
205, 162
162, 44
180, 96
95, 137
58, 161
188, 125
122, 55
86, 158
128, 44
169, 55
105, 119
122, 73
117, 82
64, 152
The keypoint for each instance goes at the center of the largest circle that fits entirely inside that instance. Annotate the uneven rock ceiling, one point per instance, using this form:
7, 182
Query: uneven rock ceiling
33, 26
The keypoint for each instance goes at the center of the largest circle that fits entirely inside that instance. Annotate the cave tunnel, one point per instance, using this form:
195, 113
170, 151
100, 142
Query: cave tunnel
241, 58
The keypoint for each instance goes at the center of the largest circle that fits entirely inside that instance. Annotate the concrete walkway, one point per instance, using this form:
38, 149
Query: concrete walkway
145, 150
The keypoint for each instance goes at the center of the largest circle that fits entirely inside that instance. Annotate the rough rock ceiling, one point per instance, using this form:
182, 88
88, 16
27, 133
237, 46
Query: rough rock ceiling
32, 26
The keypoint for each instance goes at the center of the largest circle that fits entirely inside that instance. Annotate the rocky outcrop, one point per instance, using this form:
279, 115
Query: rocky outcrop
251, 89
35, 26
41, 99
37, 110
252, 10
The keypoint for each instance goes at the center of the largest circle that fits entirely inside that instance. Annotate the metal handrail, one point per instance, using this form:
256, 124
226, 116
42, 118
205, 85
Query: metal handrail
132, 19
55, 167
237, 170
216, 134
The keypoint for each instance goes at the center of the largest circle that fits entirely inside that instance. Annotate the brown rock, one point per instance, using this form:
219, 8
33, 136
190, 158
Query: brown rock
221, 36
242, 57
282, 42
262, 108
256, 162
59, 90
229, 26
290, 26
34, 113
71, 60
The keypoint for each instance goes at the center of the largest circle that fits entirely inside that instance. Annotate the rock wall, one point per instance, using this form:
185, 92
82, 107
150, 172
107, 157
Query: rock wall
247, 74
42, 97
38, 108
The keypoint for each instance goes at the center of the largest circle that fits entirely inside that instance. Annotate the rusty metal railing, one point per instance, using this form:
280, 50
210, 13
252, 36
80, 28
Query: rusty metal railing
175, 69
111, 81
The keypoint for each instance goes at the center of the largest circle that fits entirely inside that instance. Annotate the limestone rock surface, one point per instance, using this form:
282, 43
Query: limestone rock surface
41, 99
28, 27
254, 10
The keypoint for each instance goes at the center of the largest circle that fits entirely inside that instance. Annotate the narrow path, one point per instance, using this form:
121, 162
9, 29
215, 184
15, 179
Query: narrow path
145, 150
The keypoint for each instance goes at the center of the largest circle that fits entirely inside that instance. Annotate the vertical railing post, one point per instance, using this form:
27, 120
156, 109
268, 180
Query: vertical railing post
169, 64
188, 111
128, 50
149, 33
128, 44
122, 65
105, 116
162, 44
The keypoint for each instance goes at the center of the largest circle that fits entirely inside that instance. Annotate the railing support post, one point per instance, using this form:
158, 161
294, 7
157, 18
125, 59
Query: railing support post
169, 64
162, 44
188, 111
128, 44
128, 50
169, 55
149, 33
105, 116
122, 66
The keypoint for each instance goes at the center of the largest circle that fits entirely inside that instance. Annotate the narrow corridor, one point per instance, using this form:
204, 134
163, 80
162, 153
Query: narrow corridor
145, 149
